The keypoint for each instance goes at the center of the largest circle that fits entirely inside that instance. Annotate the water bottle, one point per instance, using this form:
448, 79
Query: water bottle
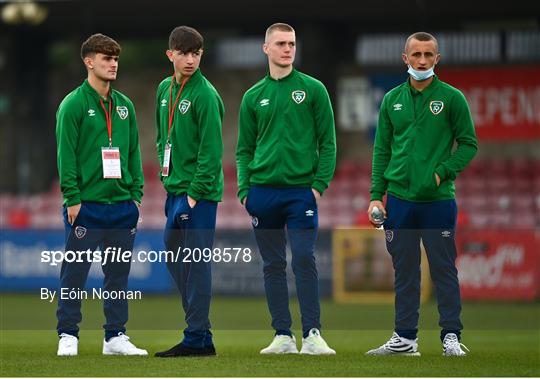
377, 216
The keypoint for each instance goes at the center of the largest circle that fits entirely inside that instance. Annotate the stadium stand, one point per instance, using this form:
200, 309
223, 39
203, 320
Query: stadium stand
490, 193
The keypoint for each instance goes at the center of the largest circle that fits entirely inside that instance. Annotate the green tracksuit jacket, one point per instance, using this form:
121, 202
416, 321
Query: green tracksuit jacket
81, 132
286, 134
415, 138
195, 138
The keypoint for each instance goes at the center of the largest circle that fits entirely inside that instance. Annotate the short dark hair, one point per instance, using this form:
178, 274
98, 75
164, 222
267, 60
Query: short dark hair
282, 27
100, 43
421, 36
185, 39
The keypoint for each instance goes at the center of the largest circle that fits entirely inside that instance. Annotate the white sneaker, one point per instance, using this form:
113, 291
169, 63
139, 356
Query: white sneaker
314, 344
67, 345
452, 346
121, 346
282, 344
397, 345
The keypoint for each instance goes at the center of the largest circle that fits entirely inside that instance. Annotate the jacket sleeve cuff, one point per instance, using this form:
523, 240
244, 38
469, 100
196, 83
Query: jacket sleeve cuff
194, 195
137, 196
376, 196
242, 194
73, 200
442, 172
319, 186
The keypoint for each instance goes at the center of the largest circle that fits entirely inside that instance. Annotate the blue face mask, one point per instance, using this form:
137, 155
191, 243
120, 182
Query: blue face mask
420, 75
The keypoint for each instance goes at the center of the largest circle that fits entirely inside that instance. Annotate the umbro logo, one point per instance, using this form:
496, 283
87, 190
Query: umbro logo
446, 233
310, 213
184, 217
398, 106
91, 112
164, 102
133, 231
264, 102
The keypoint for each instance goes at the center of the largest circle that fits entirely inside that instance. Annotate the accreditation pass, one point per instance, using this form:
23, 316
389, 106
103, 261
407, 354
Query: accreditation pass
166, 160
110, 157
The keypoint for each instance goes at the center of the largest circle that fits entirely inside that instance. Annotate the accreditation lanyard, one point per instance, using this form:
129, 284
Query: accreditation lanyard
167, 151
110, 156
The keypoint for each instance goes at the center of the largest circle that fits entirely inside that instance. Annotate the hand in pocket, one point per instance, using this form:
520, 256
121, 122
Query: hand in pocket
73, 212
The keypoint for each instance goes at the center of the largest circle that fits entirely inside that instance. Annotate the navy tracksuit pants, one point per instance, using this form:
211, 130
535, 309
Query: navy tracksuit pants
98, 226
433, 223
271, 210
189, 228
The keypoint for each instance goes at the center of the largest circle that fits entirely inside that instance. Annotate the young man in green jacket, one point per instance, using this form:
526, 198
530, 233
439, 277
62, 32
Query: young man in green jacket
286, 157
413, 163
189, 113
101, 178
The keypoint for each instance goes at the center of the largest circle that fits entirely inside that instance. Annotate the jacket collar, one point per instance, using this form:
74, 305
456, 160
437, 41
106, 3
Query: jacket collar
197, 75
291, 75
426, 91
89, 89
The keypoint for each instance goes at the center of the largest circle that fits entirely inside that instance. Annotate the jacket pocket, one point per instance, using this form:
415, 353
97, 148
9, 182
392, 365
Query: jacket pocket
429, 183
422, 179
77, 218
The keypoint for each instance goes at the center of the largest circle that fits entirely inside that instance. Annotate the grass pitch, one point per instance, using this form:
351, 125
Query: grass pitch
504, 340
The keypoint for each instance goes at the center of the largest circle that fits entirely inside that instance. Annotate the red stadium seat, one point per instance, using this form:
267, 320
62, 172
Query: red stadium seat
496, 192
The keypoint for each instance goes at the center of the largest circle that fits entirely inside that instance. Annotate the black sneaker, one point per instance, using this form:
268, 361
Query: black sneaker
186, 351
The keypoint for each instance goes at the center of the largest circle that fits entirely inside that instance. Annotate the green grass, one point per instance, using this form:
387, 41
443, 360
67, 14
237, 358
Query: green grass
504, 340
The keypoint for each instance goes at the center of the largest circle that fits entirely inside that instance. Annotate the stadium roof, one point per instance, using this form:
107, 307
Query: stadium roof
150, 19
